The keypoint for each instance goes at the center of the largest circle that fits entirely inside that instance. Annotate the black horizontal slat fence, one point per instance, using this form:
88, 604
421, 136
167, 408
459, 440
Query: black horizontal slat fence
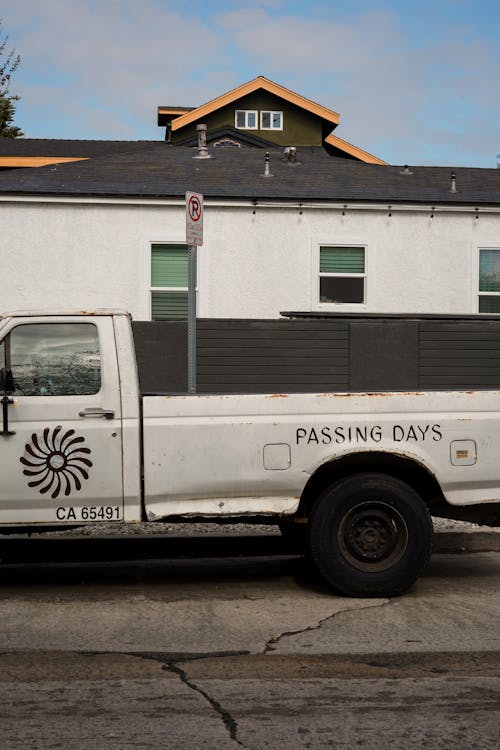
336, 354
463, 355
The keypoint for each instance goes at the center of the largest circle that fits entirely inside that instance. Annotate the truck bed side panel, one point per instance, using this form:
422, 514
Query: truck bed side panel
255, 453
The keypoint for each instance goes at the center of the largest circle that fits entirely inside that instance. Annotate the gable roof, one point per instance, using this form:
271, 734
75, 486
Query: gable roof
260, 82
182, 117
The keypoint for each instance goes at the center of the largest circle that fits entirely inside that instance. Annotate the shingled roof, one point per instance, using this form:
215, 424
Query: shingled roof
39, 152
68, 147
161, 170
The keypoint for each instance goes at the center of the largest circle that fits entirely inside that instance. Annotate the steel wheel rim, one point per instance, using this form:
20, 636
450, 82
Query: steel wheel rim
373, 536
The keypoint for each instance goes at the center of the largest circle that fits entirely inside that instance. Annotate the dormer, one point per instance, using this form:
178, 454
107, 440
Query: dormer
260, 113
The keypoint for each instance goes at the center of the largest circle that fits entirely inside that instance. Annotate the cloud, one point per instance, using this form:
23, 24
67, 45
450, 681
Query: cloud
124, 57
94, 68
392, 89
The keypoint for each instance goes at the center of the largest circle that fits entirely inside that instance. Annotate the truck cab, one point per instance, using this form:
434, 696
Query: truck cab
68, 422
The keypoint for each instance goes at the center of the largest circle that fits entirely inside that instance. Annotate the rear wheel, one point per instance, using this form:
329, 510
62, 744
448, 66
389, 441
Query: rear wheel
370, 535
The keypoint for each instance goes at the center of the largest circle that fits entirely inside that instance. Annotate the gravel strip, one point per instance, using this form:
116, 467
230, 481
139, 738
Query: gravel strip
214, 528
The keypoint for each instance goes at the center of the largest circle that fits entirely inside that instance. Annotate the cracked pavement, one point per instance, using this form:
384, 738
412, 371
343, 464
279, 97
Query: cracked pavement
251, 655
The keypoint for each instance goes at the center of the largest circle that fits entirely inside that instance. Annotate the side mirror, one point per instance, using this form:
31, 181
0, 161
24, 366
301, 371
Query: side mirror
7, 385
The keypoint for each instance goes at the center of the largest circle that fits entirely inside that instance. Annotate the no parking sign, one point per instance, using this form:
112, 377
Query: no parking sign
194, 219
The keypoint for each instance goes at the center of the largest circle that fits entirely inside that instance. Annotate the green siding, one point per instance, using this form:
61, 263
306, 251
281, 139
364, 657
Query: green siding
300, 128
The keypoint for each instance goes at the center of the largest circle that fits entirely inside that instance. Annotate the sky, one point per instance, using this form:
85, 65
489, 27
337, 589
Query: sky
414, 82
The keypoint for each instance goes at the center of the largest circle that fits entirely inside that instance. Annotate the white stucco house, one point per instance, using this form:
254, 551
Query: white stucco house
312, 229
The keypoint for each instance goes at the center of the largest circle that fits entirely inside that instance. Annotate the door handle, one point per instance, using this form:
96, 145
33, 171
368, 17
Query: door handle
96, 411
5, 416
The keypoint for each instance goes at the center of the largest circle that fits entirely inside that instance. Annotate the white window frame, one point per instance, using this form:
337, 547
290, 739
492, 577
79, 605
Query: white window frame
246, 112
316, 275
477, 276
271, 113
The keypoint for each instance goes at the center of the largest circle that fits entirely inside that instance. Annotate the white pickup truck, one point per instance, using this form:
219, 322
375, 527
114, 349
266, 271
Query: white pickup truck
357, 472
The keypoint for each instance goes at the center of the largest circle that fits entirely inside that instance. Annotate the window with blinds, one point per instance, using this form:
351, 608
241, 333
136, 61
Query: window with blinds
489, 280
169, 281
341, 274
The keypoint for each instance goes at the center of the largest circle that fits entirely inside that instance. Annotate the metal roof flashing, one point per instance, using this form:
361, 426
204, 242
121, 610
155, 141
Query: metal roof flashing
389, 316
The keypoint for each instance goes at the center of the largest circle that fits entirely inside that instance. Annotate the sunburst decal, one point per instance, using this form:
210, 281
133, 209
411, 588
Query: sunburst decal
57, 461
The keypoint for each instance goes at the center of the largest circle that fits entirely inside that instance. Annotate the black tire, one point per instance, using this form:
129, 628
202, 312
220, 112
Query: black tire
370, 535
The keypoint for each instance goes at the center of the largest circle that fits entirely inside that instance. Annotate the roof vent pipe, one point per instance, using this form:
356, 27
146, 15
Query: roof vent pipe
290, 155
453, 186
202, 142
267, 171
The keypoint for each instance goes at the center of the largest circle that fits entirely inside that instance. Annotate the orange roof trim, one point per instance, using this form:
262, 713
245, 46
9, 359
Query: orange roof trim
348, 148
174, 110
36, 161
248, 88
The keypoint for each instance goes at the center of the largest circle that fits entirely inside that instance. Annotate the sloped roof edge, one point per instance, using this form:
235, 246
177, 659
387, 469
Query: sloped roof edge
37, 161
247, 88
348, 148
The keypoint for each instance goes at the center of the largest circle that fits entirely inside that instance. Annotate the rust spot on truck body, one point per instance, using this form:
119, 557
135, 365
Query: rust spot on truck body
369, 394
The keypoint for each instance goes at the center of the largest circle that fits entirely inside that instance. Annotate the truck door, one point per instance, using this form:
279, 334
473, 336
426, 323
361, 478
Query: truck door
61, 436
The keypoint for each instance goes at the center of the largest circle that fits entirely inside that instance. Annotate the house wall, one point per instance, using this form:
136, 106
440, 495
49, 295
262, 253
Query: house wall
300, 128
252, 265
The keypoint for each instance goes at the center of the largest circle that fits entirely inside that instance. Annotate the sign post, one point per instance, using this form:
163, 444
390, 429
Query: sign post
194, 238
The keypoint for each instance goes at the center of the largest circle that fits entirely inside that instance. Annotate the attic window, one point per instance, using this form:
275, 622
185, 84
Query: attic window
271, 120
246, 119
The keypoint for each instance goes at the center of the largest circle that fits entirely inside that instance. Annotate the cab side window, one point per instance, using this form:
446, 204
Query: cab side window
55, 359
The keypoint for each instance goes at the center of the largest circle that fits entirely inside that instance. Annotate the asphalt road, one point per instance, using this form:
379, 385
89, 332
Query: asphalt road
249, 650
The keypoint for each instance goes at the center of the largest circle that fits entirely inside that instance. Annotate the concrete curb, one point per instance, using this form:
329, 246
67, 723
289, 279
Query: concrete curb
456, 542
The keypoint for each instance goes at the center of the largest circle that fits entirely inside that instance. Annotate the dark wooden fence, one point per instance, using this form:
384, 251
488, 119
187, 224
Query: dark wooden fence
322, 354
